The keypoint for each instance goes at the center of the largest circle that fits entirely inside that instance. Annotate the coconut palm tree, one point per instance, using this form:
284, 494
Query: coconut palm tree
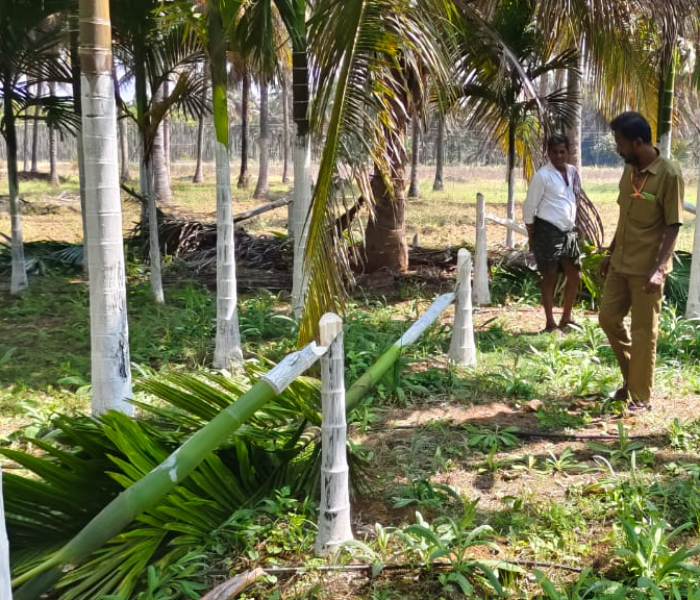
262, 186
370, 69
109, 332
23, 46
497, 95
438, 184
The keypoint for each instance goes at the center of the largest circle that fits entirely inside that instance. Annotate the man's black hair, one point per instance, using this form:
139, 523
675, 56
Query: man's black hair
632, 126
556, 140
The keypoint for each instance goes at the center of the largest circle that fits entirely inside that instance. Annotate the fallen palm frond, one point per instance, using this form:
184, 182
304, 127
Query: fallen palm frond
86, 462
44, 257
588, 221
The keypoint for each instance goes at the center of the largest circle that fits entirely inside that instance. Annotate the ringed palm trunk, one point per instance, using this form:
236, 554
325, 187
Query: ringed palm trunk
75, 76
510, 241
35, 131
285, 131
53, 146
125, 176
109, 332
18, 279
5, 578
244, 177
301, 198
665, 119
414, 188
438, 184
262, 187
161, 175
573, 131
385, 239
198, 176
147, 178
227, 349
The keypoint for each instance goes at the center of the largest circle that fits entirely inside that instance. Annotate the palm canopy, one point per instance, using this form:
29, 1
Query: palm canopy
370, 55
28, 38
496, 94
153, 36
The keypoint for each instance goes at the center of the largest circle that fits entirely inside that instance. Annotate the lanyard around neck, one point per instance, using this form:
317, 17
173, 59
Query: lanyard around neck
638, 190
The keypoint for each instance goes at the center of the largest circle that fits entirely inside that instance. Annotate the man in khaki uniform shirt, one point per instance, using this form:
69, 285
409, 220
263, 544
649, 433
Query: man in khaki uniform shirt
640, 256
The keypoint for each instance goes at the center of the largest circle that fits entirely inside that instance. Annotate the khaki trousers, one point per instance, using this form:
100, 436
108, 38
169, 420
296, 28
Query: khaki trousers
635, 348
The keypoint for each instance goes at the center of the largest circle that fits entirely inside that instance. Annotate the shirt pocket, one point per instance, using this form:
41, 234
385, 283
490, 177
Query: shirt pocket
644, 211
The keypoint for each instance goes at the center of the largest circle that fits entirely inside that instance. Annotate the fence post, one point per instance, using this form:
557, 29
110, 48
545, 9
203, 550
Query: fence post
334, 510
482, 294
462, 347
5, 588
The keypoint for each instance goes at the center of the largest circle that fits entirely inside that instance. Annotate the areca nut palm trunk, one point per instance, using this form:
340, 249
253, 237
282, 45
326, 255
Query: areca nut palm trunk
692, 307
301, 199
53, 146
243, 176
35, 131
5, 578
262, 187
161, 176
147, 175
198, 176
438, 184
75, 77
664, 124
227, 345
510, 208
573, 130
18, 278
285, 130
124, 176
414, 188
109, 330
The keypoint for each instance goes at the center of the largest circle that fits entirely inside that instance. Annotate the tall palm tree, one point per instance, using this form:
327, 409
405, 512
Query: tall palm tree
23, 44
414, 187
152, 55
370, 55
498, 95
243, 175
227, 352
111, 367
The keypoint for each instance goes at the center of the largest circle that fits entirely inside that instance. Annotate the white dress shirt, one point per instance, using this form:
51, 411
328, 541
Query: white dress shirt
551, 198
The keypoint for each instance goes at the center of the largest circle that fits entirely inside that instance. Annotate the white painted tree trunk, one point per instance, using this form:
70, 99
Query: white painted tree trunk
665, 145
334, 511
227, 350
462, 346
511, 224
482, 293
109, 331
5, 578
300, 211
692, 308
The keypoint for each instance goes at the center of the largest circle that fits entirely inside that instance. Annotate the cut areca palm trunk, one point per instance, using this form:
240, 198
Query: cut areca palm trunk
109, 332
227, 351
370, 378
155, 485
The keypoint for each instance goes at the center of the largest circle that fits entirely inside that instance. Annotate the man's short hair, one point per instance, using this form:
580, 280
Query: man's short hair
632, 126
556, 140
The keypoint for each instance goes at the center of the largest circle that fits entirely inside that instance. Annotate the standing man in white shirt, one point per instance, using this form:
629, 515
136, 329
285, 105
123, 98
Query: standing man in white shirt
549, 213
